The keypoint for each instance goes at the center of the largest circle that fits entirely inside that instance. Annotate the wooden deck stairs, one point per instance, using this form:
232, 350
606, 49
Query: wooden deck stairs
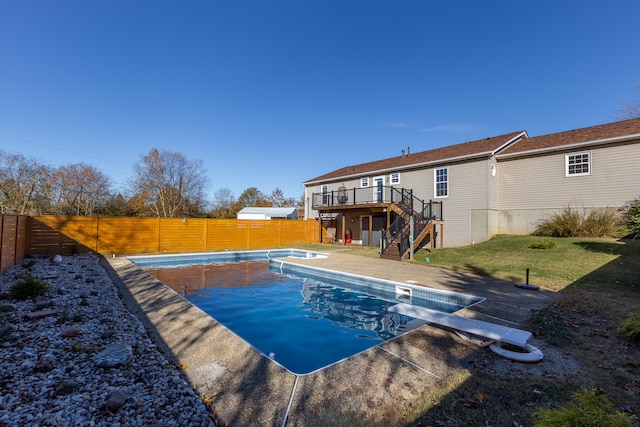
399, 248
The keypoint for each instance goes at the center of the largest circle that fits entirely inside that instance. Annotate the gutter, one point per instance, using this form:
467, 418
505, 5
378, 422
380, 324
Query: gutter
605, 141
424, 164
401, 168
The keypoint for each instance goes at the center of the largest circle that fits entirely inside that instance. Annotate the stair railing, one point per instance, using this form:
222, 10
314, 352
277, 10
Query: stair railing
399, 231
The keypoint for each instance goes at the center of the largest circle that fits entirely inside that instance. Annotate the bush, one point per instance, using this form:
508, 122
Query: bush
542, 244
573, 223
29, 287
630, 213
587, 408
630, 328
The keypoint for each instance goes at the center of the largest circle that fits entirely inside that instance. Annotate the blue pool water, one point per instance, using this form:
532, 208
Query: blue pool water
303, 318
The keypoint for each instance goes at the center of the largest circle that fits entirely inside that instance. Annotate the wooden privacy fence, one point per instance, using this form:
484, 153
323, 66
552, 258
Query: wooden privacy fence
13, 232
48, 235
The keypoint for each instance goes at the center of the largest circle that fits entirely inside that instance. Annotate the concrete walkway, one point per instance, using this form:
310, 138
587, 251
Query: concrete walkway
378, 387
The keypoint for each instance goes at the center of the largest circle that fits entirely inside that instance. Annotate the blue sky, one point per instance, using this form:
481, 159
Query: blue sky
273, 93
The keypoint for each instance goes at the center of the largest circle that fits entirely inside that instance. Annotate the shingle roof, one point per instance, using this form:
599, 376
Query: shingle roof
467, 149
489, 146
577, 136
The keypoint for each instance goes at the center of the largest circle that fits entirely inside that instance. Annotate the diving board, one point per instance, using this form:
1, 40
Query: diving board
500, 333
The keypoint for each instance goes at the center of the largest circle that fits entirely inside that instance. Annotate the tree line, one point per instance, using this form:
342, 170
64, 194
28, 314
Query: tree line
165, 183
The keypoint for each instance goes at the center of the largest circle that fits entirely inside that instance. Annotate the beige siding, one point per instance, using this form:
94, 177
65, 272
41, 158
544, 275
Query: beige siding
468, 187
540, 182
469, 184
469, 192
469, 212
492, 184
533, 188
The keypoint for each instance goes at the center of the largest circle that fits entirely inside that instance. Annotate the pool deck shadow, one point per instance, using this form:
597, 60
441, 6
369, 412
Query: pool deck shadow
378, 387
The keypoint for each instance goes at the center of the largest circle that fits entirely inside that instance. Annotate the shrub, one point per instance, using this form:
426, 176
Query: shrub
630, 328
587, 408
630, 213
29, 287
542, 244
573, 223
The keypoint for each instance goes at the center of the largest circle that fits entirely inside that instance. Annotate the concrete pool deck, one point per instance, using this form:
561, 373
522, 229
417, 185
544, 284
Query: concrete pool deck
377, 387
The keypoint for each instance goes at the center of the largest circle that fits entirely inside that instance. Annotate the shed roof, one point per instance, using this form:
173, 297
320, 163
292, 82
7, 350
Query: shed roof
274, 212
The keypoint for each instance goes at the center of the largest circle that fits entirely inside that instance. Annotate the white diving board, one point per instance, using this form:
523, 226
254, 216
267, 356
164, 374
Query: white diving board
500, 333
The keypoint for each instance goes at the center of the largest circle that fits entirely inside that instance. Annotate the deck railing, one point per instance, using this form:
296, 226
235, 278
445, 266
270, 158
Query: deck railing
360, 196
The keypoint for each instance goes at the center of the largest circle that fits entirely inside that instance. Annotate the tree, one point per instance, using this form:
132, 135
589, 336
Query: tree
24, 185
118, 205
169, 184
630, 110
277, 199
79, 189
223, 204
252, 197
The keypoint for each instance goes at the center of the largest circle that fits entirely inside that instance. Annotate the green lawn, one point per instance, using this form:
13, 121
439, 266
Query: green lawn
599, 283
509, 257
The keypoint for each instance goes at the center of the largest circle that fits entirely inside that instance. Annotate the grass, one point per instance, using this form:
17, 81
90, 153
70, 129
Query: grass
599, 285
508, 257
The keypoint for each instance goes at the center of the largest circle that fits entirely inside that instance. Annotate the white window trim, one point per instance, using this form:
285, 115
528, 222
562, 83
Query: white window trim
391, 180
364, 182
378, 191
435, 183
324, 190
566, 164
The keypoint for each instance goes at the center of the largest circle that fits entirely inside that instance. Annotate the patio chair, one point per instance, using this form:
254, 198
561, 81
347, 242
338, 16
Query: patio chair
330, 235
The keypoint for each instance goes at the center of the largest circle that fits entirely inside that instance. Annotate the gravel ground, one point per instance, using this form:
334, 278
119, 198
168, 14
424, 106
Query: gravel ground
76, 357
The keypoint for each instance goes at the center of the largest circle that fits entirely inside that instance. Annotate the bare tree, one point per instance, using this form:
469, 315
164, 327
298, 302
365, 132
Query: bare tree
223, 204
79, 189
24, 185
277, 198
169, 184
630, 110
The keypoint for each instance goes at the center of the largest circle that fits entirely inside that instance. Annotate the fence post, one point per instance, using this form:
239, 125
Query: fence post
158, 236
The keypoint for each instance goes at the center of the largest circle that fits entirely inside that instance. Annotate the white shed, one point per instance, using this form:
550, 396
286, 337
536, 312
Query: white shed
268, 213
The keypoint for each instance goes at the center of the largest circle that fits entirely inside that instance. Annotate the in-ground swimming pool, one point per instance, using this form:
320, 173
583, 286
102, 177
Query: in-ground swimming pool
301, 317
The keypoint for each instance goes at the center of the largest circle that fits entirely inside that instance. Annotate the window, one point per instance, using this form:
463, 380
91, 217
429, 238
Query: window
378, 189
364, 182
325, 195
394, 178
578, 164
441, 178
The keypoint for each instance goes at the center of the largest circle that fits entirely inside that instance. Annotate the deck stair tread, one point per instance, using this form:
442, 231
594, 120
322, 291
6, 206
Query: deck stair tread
504, 334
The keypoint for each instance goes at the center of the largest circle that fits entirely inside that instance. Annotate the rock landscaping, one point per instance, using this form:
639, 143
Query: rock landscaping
74, 356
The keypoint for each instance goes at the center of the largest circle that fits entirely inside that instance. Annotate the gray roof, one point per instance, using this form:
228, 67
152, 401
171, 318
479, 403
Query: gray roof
277, 212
